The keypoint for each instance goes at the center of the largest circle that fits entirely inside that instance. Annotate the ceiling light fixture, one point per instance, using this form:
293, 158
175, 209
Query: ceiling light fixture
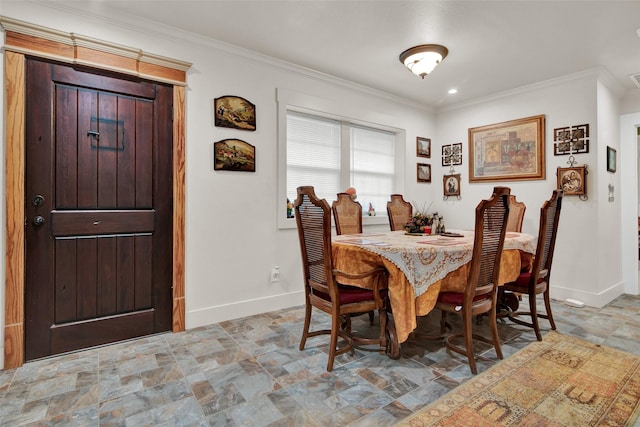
421, 60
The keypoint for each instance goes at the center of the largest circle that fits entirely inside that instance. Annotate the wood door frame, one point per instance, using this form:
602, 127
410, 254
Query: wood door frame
22, 39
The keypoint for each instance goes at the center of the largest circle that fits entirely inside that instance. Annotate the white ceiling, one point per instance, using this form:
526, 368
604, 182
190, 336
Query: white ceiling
493, 45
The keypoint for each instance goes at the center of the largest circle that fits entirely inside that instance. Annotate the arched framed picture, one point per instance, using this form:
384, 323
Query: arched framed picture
234, 112
234, 155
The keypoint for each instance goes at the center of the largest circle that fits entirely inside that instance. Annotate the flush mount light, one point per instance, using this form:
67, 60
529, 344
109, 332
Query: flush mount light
421, 60
452, 91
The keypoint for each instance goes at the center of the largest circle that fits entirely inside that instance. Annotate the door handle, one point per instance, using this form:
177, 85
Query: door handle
38, 221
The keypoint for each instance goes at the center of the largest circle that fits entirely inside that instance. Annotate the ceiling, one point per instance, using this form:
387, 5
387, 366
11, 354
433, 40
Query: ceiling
494, 46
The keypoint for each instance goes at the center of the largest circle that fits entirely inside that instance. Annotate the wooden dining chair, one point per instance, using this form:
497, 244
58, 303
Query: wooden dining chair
516, 214
399, 212
321, 281
347, 214
480, 293
536, 281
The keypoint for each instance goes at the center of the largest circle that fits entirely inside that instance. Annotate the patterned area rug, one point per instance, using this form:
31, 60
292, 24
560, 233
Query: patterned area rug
561, 381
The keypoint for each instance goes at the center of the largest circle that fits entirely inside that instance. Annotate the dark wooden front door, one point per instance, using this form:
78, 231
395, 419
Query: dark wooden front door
98, 224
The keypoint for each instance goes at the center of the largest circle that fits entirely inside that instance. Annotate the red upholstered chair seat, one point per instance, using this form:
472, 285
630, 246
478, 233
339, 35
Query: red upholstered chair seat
456, 298
522, 283
352, 295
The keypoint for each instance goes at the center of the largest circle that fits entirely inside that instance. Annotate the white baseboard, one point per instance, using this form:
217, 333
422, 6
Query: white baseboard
220, 313
592, 299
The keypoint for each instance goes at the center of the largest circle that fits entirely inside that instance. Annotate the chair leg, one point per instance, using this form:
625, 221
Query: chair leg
443, 322
533, 310
382, 315
371, 315
547, 305
307, 322
493, 323
335, 327
468, 342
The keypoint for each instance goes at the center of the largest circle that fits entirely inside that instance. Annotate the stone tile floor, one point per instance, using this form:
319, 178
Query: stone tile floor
249, 372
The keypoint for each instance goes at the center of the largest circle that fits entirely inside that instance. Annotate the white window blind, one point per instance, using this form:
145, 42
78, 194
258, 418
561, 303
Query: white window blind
314, 148
313, 155
372, 166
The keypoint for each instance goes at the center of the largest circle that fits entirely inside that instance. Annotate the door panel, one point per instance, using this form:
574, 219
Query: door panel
99, 267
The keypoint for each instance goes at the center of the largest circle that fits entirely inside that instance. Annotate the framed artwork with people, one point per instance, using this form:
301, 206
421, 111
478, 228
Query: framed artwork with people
451, 184
508, 151
572, 180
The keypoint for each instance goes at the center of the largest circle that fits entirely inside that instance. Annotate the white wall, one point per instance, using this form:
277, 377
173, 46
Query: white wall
609, 211
579, 270
629, 164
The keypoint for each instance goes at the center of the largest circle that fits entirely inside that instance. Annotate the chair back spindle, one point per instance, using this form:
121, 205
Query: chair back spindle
312, 216
491, 218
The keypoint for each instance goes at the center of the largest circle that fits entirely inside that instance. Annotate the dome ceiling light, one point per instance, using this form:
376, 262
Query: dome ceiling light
422, 59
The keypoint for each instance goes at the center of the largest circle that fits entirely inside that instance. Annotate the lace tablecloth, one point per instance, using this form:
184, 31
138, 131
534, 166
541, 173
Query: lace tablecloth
421, 266
428, 258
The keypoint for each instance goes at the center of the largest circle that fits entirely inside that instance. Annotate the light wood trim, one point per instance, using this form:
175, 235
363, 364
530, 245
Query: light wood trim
26, 39
178, 207
14, 89
30, 39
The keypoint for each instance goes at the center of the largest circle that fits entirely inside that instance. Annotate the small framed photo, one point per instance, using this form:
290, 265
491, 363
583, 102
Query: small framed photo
572, 180
423, 147
451, 184
424, 172
611, 159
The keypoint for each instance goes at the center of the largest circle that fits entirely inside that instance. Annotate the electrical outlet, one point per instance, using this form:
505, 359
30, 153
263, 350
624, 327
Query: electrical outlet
275, 274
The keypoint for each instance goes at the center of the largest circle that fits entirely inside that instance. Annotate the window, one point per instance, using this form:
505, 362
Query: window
334, 145
333, 155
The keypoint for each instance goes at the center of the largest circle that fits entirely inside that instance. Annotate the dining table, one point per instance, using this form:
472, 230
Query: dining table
420, 266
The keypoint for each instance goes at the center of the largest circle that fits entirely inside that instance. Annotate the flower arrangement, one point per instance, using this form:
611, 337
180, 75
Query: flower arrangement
421, 219
418, 222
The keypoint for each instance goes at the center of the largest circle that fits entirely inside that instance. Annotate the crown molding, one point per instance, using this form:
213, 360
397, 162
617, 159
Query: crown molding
597, 73
31, 39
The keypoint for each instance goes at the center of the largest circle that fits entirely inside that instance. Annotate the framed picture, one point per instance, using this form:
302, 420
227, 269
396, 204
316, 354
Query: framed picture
451, 184
234, 155
611, 159
234, 112
571, 140
452, 154
423, 147
508, 151
424, 172
572, 180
